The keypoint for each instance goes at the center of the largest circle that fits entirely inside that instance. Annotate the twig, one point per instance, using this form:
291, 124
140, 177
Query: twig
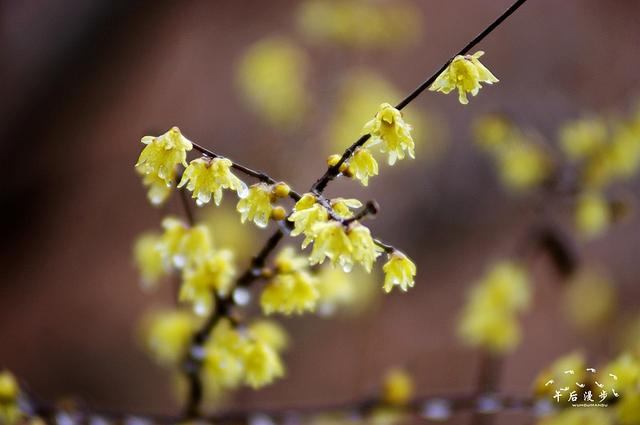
333, 171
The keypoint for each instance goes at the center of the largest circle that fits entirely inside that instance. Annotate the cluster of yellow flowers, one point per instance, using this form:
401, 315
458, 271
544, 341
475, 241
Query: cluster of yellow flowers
341, 21
205, 270
522, 161
489, 319
464, 73
10, 412
604, 153
232, 356
390, 134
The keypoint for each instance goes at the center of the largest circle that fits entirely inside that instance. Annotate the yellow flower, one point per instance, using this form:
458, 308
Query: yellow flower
205, 177
489, 318
215, 273
342, 207
492, 132
159, 189
497, 331
167, 334
272, 79
364, 249
290, 293
464, 73
592, 215
223, 362
270, 333
332, 242
578, 416
363, 165
147, 253
162, 154
398, 387
391, 133
262, 365
257, 205
627, 410
582, 138
523, 164
556, 371
287, 261
590, 299
183, 246
306, 214
626, 368
399, 270
10, 413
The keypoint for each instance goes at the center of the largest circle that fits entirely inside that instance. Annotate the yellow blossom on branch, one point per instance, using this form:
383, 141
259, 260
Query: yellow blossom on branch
390, 133
262, 365
398, 387
10, 412
289, 293
364, 249
206, 177
307, 213
400, 271
270, 333
162, 154
363, 165
464, 73
159, 189
214, 273
256, 206
332, 242
166, 334
342, 206
593, 215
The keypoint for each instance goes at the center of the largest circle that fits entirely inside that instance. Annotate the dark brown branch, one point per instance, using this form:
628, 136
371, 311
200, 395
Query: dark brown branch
263, 177
333, 171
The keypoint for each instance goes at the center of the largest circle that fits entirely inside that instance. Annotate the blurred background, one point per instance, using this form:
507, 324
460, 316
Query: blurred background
84, 81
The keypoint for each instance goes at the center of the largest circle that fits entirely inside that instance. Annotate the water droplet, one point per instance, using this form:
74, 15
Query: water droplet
437, 409
241, 296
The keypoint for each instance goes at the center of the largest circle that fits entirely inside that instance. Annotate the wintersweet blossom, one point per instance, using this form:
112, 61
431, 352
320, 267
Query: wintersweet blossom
10, 412
342, 206
166, 334
214, 273
398, 387
391, 133
363, 165
307, 213
256, 206
147, 253
364, 249
290, 293
183, 246
162, 154
332, 241
262, 365
158, 189
399, 270
464, 73
270, 333
593, 214
206, 177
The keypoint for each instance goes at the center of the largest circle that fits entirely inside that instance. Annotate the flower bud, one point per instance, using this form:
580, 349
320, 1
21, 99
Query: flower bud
278, 213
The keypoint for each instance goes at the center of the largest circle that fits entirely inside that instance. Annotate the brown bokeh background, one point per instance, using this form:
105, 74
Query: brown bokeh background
83, 81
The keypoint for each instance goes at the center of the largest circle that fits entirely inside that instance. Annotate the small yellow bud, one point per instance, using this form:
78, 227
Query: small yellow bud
278, 213
281, 190
346, 171
333, 160
398, 387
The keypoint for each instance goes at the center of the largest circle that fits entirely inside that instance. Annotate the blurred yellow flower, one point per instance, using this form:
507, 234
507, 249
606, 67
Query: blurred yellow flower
400, 271
269, 333
257, 205
556, 371
593, 215
590, 299
262, 365
489, 319
167, 334
492, 132
398, 387
331, 241
162, 154
582, 138
306, 214
578, 417
363, 248
159, 189
205, 177
363, 165
464, 73
10, 412
214, 273
184, 246
289, 293
523, 164
148, 257
272, 79
390, 133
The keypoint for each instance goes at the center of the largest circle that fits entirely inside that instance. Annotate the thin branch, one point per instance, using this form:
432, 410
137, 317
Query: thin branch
262, 176
333, 171
437, 407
